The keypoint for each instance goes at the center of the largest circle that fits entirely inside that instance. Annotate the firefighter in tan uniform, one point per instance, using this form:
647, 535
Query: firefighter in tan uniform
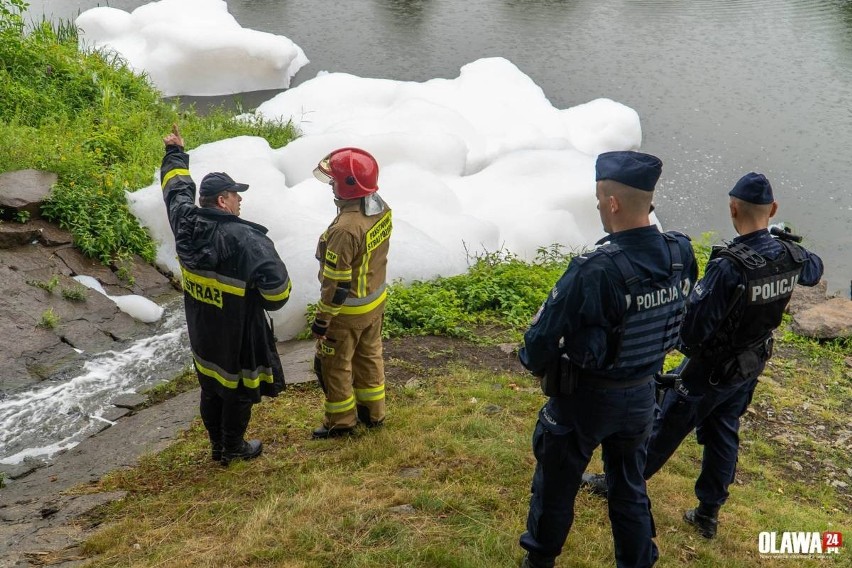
353, 254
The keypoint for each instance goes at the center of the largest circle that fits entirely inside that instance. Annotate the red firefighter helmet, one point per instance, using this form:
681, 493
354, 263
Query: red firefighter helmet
352, 172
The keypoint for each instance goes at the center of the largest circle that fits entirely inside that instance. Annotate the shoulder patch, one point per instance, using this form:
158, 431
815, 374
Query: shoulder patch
330, 258
597, 252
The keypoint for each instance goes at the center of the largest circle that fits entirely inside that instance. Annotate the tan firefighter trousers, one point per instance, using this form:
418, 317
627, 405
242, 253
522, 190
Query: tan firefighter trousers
351, 371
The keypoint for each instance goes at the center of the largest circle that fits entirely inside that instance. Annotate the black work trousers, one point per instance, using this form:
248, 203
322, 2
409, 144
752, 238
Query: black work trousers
567, 433
226, 419
715, 415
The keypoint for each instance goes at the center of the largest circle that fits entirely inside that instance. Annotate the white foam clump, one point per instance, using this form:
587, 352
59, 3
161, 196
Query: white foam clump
137, 307
192, 47
476, 163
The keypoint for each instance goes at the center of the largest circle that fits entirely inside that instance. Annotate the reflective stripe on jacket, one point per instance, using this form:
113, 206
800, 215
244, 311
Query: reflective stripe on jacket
231, 274
353, 255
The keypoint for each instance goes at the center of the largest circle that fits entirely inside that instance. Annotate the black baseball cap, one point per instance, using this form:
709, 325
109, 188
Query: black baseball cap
215, 183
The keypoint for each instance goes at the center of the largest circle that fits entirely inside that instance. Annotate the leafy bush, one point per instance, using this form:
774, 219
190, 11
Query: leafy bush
499, 291
99, 126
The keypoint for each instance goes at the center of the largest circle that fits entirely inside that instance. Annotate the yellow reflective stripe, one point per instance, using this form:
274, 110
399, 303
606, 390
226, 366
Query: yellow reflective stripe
324, 308
278, 297
228, 384
341, 275
370, 394
212, 282
255, 383
172, 173
362, 276
356, 310
338, 407
249, 382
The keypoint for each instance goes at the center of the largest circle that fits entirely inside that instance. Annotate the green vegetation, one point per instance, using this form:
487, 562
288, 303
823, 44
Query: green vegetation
49, 319
88, 118
75, 293
186, 381
48, 286
499, 292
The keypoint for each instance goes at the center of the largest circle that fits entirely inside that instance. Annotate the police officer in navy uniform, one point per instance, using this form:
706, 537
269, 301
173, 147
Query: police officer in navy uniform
727, 332
597, 341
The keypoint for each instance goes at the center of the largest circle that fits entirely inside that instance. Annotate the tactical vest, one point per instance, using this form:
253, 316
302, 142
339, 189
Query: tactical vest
769, 285
654, 310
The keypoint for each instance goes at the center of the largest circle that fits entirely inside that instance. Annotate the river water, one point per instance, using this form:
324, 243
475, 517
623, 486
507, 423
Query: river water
721, 87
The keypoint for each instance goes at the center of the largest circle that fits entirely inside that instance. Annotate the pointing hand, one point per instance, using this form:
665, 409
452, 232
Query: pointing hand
174, 138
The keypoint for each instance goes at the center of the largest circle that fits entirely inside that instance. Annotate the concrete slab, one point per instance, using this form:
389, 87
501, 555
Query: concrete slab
297, 358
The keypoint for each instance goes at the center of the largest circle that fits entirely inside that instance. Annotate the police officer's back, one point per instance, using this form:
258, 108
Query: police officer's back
607, 324
727, 333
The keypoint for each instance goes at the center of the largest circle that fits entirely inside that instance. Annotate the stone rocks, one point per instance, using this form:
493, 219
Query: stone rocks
817, 316
37, 262
24, 190
829, 320
806, 297
14, 235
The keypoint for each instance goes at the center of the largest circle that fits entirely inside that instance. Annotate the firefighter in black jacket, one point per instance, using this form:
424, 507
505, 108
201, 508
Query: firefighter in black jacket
231, 274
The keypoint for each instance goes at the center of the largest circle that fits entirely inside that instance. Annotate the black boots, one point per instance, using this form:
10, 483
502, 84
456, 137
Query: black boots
245, 451
533, 560
226, 421
216, 452
364, 417
363, 413
704, 518
322, 432
595, 483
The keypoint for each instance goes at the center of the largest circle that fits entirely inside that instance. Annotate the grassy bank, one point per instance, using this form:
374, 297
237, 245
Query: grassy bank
90, 119
446, 482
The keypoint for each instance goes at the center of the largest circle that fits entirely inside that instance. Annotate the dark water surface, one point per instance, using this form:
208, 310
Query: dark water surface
721, 87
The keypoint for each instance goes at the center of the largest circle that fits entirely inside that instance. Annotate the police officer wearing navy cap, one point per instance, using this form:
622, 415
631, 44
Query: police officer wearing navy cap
597, 342
727, 333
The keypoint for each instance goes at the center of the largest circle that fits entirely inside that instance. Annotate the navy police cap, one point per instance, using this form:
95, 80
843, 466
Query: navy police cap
630, 168
217, 182
753, 188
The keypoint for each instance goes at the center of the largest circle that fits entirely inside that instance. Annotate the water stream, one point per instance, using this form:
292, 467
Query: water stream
57, 415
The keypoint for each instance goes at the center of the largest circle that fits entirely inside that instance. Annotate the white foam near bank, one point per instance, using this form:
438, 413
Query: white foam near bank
476, 163
192, 47
137, 307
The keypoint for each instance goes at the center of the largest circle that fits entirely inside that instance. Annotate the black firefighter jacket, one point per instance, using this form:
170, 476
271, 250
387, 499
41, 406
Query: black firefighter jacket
231, 273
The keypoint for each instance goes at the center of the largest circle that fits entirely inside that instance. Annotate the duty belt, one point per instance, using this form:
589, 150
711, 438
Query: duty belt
597, 381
